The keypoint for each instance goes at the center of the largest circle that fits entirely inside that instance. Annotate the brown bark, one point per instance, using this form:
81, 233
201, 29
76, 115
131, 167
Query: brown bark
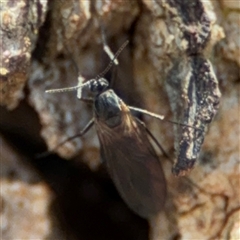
71, 36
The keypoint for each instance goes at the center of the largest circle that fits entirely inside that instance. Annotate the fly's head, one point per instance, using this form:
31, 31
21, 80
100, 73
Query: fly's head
107, 108
99, 85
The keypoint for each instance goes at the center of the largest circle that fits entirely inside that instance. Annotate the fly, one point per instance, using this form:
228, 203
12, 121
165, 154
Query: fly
125, 147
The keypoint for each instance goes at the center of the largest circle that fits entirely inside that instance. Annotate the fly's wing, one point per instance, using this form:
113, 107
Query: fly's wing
134, 166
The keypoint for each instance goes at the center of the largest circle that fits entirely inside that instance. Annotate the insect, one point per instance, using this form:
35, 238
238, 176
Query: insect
125, 147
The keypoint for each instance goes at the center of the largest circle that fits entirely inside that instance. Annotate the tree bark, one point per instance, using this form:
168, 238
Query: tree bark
63, 39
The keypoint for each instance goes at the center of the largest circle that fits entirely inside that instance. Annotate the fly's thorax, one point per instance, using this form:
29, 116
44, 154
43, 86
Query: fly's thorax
108, 109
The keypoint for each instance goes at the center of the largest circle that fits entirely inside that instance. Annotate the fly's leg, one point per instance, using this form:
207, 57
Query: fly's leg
85, 129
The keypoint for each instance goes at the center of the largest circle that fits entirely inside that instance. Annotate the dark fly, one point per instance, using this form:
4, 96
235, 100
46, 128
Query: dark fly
125, 148
131, 160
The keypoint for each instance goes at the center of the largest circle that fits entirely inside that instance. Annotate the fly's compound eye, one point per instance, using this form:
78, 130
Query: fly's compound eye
99, 85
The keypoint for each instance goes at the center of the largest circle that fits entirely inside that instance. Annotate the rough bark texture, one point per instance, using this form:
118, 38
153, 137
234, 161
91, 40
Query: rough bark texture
20, 22
65, 37
25, 198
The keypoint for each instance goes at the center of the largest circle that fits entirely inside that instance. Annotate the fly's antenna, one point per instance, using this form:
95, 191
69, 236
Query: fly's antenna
88, 83
69, 89
112, 60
